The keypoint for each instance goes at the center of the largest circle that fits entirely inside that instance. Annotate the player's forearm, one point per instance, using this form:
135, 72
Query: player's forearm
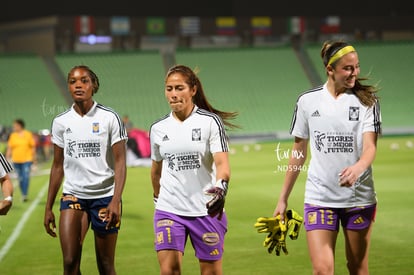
294, 167
369, 151
120, 170
6, 187
155, 185
222, 164
120, 179
156, 169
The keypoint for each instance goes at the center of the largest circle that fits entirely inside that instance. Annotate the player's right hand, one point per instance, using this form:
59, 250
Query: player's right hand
50, 224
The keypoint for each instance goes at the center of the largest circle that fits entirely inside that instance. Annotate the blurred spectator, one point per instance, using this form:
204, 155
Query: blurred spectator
21, 150
43, 145
127, 123
138, 148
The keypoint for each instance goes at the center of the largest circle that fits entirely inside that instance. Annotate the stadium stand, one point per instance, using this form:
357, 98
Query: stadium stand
28, 92
130, 83
262, 84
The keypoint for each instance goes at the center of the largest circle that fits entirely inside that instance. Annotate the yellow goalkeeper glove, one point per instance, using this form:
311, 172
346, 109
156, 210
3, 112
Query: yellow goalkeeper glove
275, 239
278, 242
294, 222
267, 225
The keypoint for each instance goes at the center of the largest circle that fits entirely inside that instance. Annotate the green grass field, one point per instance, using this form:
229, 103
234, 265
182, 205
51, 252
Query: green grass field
25, 248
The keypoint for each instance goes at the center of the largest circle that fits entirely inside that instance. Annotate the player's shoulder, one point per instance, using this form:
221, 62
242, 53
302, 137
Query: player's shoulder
106, 110
63, 115
310, 93
205, 114
160, 122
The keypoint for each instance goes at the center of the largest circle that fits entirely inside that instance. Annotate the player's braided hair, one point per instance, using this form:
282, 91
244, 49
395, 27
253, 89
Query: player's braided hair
200, 98
365, 93
92, 75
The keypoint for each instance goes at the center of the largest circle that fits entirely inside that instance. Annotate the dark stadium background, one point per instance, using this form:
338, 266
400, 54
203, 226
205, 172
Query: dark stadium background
21, 9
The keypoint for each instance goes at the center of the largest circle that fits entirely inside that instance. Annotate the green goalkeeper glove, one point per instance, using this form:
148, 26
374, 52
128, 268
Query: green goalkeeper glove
294, 222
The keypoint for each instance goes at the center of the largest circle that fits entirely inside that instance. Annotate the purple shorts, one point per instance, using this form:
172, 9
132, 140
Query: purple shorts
95, 208
206, 234
353, 218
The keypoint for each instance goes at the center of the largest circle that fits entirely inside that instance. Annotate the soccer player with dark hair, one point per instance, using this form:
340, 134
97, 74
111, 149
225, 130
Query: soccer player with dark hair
90, 159
190, 174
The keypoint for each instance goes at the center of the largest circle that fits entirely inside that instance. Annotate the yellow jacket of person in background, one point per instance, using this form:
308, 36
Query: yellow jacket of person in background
22, 146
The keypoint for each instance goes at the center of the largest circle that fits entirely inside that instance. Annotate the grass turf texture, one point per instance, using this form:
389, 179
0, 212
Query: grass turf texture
254, 188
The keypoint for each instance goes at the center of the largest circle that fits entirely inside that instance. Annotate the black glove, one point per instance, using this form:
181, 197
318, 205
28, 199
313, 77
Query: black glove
216, 204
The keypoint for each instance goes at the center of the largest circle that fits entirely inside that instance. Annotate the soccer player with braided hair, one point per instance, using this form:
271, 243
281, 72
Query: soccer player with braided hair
190, 175
89, 162
340, 121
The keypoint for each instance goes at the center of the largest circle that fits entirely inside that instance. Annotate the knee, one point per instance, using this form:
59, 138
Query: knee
71, 265
106, 267
357, 268
323, 269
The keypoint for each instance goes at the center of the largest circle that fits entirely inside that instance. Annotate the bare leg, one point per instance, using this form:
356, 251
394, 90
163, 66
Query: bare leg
321, 245
170, 262
105, 245
73, 226
357, 249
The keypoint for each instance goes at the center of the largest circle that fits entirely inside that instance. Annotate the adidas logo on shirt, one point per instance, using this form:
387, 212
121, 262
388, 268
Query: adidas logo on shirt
165, 138
315, 114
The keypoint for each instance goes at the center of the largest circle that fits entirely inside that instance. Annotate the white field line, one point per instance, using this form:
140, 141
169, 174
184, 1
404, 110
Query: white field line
19, 227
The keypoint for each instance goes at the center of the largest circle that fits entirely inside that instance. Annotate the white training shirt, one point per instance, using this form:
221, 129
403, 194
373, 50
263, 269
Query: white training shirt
334, 128
186, 149
5, 166
87, 140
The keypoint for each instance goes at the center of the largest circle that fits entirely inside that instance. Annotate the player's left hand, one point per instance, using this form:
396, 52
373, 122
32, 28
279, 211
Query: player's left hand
216, 205
113, 215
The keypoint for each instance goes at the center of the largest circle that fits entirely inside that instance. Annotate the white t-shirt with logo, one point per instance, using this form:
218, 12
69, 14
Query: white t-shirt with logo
334, 128
5, 166
186, 149
87, 142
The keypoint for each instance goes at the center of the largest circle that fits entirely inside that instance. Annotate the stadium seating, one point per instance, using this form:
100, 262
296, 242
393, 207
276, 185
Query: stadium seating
262, 84
130, 83
28, 92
